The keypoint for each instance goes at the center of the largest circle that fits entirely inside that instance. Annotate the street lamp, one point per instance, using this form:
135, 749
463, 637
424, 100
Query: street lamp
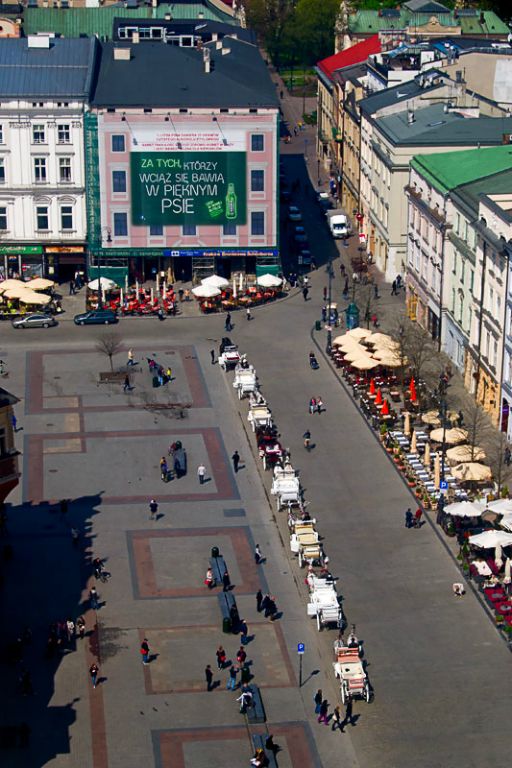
444, 423
328, 345
98, 243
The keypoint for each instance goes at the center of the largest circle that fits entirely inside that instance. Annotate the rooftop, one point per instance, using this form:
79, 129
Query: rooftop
448, 170
62, 70
6, 398
492, 184
203, 31
399, 93
237, 79
426, 6
353, 55
368, 22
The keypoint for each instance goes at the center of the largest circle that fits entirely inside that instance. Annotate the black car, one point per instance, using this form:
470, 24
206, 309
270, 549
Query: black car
96, 317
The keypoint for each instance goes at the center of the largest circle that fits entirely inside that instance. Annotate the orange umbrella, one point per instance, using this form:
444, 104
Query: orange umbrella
372, 386
385, 409
378, 398
412, 390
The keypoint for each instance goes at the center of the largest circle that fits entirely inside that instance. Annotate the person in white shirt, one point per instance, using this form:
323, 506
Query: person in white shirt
201, 472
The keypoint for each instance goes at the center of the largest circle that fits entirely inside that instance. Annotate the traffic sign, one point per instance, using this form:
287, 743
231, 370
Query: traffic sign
300, 647
443, 486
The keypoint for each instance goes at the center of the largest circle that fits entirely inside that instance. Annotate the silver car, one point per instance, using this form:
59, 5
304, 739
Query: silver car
34, 320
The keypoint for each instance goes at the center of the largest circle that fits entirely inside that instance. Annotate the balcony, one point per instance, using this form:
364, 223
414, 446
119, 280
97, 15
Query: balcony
9, 467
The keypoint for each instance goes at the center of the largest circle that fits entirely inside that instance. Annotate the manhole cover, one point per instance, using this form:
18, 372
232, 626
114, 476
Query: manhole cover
50, 425
56, 377
53, 471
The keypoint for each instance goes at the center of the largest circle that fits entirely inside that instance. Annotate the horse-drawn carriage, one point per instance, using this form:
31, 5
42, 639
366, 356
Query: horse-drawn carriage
305, 543
350, 671
286, 487
246, 381
229, 356
324, 602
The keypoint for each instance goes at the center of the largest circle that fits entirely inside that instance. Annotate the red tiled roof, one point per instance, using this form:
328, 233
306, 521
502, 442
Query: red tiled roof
356, 54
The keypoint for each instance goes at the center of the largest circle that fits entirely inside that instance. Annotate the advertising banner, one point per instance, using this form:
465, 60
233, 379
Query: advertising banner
188, 187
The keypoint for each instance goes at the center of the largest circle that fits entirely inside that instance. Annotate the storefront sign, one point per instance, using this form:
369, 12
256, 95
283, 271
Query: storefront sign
64, 249
180, 188
21, 250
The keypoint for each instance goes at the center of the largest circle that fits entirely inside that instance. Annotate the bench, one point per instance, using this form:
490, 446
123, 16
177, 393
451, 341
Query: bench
111, 377
258, 741
218, 566
256, 713
227, 602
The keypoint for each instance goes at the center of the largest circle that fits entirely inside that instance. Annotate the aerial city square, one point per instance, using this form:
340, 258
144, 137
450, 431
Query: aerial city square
255, 383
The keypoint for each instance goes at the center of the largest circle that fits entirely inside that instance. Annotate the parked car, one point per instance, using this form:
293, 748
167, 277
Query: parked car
96, 317
284, 193
324, 201
294, 213
34, 320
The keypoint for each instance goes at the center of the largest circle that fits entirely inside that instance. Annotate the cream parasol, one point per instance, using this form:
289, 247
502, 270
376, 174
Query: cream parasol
426, 456
40, 284
471, 471
37, 299
462, 453
451, 437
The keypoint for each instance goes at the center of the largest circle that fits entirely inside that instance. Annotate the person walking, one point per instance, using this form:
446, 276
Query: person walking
393, 288
241, 656
312, 405
201, 472
508, 456
226, 582
232, 683
236, 461
245, 699
153, 509
348, 714
318, 698
259, 600
164, 469
244, 632
130, 357
258, 557
248, 313
80, 625
221, 657
126, 385
93, 672
144, 650
417, 517
307, 439
336, 719
212, 355
408, 518
209, 677
227, 324
271, 609
305, 293
319, 405
71, 287
93, 599
322, 717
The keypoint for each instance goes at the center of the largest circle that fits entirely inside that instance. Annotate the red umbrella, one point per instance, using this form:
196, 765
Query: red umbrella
378, 398
372, 386
412, 390
385, 409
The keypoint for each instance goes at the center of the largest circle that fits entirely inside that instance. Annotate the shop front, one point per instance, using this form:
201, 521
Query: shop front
21, 261
63, 261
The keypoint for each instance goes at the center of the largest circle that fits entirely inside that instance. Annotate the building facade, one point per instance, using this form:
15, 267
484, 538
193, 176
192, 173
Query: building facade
183, 174
9, 474
42, 178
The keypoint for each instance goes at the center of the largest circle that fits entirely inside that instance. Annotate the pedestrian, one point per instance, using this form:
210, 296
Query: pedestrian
258, 557
376, 291
244, 632
70, 629
312, 405
14, 422
201, 472
153, 509
248, 313
226, 582
212, 355
325, 293
126, 385
259, 600
80, 625
336, 719
209, 677
305, 292
417, 517
393, 288
241, 656
209, 579
281, 94
508, 456
93, 599
232, 684
93, 671
180, 294
271, 611
348, 714
221, 657
318, 698
408, 518
245, 699
322, 717
236, 461
164, 469
144, 650
227, 324
264, 603
398, 281
295, 130
319, 405
71, 287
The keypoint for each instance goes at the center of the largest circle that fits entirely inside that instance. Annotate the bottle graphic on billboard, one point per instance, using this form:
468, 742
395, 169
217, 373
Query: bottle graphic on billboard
231, 203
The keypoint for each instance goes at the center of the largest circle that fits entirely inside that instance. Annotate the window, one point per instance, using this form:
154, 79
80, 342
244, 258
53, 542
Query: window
257, 181
38, 134
229, 228
189, 229
257, 142
39, 169
65, 169
42, 217
120, 224
3, 217
2, 170
156, 230
118, 181
63, 133
66, 217
257, 223
1, 134
471, 280
118, 143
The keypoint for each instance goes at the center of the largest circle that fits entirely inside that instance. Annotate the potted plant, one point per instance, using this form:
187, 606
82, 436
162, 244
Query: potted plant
498, 618
383, 432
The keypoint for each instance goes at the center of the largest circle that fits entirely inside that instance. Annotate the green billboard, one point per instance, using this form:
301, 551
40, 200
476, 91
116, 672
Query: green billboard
177, 188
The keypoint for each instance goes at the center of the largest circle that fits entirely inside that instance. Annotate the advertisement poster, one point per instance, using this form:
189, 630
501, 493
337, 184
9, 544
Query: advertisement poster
198, 188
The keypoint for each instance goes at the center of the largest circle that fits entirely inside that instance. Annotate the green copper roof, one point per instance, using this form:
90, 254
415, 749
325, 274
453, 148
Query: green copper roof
77, 22
369, 22
448, 170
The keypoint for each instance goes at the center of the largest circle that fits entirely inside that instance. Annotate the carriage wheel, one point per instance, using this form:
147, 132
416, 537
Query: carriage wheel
264, 462
344, 697
300, 559
239, 393
367, 693
318, 622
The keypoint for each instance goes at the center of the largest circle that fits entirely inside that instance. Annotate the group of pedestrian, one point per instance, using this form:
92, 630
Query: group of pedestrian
266, 604
413, 521
316, 405
62, 635
396, 285
162, 375
322, 711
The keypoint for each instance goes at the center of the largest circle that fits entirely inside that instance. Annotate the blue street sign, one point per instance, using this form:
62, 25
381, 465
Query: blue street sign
443, 485
300, 647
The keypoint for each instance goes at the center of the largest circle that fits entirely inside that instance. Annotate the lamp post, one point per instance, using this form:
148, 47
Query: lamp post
328, 345
98, 243
443, 417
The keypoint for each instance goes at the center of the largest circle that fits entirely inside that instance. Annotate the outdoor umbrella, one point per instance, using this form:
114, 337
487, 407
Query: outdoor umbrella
464, 509
364, 363
508, 570
437, 470
432, 418
378, 397
343, 340
40, 284
382, 340
504, 522
359, 333
349, 345
426, 456
235, 292
372, 386
498, 556
104, 283
216, 280
354, 354
412, 391
15, 292
490, 539
31, 297
206, 291
471, 471
388, 358
11, 283
407, 424
500, 505
385, 409
414, 445
452, 436
465, 453
269, 281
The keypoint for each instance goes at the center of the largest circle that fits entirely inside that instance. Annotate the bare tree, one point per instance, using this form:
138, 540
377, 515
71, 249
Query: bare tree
109, 344
496, 457
416, 351
478, 426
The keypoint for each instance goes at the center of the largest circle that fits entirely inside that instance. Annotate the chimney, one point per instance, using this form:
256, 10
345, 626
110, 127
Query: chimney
154, 3
225, 51
410, 117
458, 76
215, 36
206, 60
136, 38
218, 44
122, 54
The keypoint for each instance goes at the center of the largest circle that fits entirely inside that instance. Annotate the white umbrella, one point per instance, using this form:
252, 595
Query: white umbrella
359, 333
451, 436
31, 297
364, 363
152, 294
465, 509
414, 442
206, 291
462, 453
498, 556
437, 470
508, 570
506, 521
426, 456
407, 426
40, 284
5, 285
121, 296
234, 288
16, 291
216, 280
241, 282
490, 539
269, 281
500, 505
104, 282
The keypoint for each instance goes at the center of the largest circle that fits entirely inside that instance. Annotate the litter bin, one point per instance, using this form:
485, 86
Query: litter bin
215, 552
226, 625
245, 676
318, 325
